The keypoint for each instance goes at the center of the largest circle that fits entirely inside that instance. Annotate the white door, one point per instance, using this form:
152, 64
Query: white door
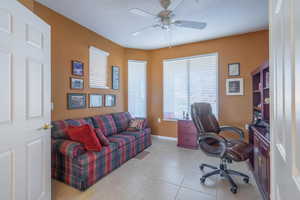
285, 112
24, 104
137, 88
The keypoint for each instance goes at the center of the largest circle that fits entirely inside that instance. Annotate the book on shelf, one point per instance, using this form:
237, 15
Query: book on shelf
267, 79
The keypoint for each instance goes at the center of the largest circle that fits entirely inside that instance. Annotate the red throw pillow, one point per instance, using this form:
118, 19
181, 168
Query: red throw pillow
103, 139
85, 135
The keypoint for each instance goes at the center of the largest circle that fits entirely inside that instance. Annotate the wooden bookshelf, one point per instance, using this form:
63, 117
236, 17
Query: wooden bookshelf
261, 94
259, 135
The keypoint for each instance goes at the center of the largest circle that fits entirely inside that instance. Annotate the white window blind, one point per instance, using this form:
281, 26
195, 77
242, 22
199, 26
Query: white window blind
137, 88
190, 80
98, 68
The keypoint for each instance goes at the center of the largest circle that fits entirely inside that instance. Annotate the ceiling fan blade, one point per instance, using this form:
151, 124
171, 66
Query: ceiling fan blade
190, 24
144, 29
174, 7
141, 12
165, 3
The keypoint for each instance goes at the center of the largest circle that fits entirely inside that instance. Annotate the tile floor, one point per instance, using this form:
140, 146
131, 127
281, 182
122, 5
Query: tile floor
167, 173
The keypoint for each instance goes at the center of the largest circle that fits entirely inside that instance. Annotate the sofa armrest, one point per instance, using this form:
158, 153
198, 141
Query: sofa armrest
67, 148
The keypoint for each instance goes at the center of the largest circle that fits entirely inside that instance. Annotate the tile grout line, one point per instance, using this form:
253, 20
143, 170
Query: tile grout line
180, 186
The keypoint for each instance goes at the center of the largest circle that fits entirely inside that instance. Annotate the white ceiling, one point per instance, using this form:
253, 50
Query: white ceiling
111, 19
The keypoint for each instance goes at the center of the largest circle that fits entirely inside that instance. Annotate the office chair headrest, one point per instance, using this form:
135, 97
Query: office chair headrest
202, 108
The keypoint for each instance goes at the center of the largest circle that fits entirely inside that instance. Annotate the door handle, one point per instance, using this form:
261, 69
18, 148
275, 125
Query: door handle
46, 127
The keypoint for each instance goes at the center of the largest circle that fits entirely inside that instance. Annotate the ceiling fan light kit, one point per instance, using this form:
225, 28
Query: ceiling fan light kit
166, 19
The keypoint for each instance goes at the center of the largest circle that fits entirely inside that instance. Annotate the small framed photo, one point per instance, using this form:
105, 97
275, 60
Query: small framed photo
76, 101
77, 83
235, 86
77, 68
115, 78
234, 69
96, 100
110, 100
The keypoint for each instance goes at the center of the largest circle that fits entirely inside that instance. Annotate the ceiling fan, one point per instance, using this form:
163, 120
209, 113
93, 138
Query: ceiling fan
165, 18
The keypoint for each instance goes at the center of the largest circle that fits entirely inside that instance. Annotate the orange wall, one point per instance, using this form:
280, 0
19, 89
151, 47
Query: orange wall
250, 50
27, 3
70, 41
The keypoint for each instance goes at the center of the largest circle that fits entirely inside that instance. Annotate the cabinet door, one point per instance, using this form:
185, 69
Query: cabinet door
264, 168
251, 142
256, 155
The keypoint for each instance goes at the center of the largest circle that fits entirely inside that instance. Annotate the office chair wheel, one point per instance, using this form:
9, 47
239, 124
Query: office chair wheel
246, 180
233, 190
202, 180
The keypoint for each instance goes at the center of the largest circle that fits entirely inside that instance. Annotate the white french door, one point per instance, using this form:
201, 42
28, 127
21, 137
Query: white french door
25, 172
137, 88
285, 112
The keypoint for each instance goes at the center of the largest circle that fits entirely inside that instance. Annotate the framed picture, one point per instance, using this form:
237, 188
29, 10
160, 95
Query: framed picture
235, 86
96, 100
115, 78
77, 83
76, 101
77, 68
110, 100
234, 69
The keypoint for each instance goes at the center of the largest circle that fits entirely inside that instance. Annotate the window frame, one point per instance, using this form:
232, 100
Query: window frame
188, 59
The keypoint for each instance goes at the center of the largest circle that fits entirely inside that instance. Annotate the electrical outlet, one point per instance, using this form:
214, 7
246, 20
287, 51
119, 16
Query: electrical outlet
247, 127
158, 120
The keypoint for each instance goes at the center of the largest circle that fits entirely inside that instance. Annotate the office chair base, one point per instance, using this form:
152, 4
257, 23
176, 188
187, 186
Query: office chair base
224, 172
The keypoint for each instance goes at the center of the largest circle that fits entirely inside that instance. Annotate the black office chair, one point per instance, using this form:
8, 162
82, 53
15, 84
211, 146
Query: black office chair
215, 145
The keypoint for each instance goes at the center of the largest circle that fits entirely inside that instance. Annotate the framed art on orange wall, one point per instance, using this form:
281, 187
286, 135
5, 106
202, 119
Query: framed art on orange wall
235, 86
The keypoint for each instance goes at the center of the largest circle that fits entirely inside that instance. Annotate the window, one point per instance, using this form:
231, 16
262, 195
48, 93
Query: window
98, 68
190, 80
137, 88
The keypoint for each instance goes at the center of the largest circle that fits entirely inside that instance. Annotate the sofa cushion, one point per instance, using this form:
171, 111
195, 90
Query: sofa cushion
106, 123
137, 134
91, 156
67, 148
80, 122
122, 120
102, 138
59, 128
86, 135
122, 140
137, 124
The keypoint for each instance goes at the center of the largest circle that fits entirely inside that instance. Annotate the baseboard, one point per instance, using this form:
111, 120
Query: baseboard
164, 137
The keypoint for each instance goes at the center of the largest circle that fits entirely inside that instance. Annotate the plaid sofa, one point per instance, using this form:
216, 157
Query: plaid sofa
79, 168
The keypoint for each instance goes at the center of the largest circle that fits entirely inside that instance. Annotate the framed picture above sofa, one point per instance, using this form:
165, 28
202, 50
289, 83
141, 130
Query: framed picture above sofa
115, 77
110, 100
96, 100
76, 101
77, 83
77, 68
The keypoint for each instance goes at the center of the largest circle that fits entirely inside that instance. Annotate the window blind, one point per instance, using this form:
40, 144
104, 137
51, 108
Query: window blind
137, 88
190, 80
98, 68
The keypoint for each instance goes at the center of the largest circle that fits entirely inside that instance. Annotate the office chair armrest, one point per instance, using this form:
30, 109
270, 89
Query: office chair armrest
222, 141
232, 129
